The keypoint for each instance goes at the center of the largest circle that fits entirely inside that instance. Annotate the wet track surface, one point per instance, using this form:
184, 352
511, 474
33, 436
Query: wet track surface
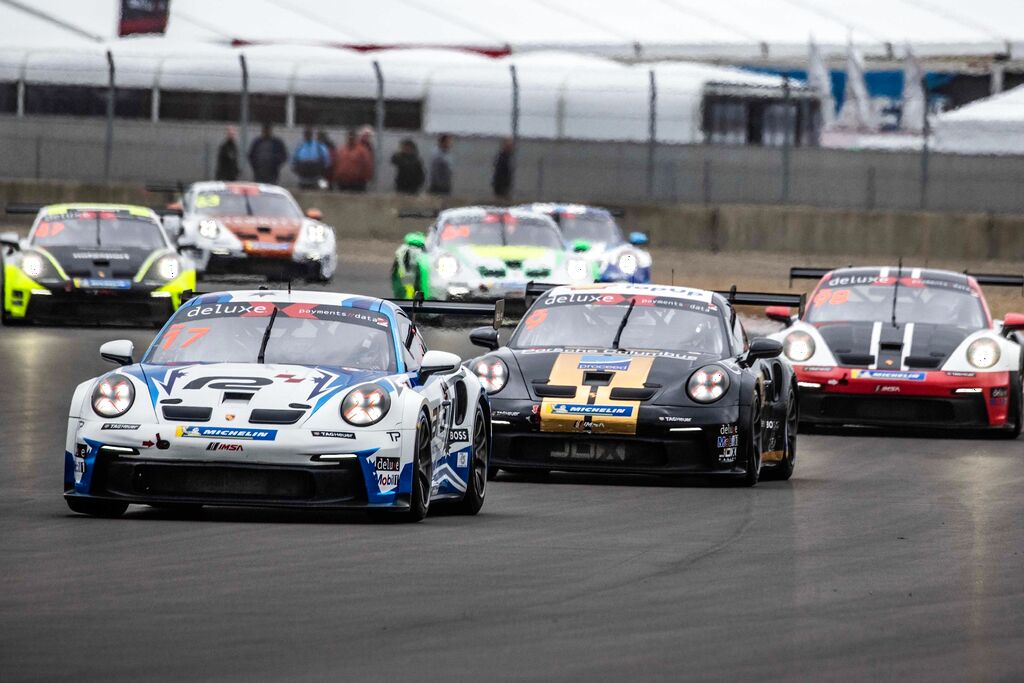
883, 557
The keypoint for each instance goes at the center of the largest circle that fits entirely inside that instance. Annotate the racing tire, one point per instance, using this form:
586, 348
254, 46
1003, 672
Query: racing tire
422, 478
1016, 412
784, 469
752, 445
476, 484
96, 508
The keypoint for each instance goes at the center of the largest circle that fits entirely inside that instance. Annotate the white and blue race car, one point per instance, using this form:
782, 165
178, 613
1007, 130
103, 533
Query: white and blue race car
282, 399
615, 258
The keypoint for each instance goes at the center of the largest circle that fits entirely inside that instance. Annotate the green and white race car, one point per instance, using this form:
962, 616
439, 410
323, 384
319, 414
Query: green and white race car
486, 254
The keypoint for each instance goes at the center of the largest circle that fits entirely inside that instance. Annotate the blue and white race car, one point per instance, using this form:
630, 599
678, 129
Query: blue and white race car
284, 399
616, 259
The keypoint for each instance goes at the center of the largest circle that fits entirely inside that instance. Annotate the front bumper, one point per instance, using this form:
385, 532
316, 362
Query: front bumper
933, 399
702, 441
299, 470
72, 301
283, 262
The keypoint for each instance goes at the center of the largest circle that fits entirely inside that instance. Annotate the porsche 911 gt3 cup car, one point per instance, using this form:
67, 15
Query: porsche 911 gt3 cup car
485, 253
618, 260
904, 347
644, 379
273, 398
241, 228
92, 262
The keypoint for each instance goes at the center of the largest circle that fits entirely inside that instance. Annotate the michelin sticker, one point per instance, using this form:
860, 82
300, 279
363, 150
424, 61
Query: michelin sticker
889, 375
198, 432
586, 409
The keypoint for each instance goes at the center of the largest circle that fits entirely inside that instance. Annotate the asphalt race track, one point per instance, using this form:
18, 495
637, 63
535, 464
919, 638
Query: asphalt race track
884, 557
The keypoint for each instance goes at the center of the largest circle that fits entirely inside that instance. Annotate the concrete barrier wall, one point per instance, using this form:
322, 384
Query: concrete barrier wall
919, 236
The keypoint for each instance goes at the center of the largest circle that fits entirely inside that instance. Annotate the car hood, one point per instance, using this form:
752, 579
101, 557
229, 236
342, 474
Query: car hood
229, 393
262, 229
101, 262
925, 346
510, 255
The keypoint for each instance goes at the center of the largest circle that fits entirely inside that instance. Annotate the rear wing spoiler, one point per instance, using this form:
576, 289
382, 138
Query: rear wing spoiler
997, 280
419, 306
807, 274
419, 213
740, 298
176, 187
26, 209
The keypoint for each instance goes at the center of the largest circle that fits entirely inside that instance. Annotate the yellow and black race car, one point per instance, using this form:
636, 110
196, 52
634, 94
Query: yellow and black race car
642, 379
92, 263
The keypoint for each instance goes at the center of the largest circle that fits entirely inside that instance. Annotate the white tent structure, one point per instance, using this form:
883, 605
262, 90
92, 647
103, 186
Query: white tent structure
994, 125
733, 31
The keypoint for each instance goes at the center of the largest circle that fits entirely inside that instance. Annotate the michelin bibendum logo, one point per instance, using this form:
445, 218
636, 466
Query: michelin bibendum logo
584, 409
227, 433
889, 375
604, 363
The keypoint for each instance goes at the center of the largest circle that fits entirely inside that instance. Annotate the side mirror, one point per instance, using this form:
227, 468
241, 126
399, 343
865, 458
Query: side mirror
172, 225
1013, 322
176, 206
415, 239
118, 351
762, 347
580, 246
486, 337
11, 240
638, 239
315, 214
782, 314
438, 362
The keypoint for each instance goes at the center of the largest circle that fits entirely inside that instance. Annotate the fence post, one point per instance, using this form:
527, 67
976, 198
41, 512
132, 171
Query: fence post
378, 125
108, 145
925, 150
515, 125
652, 132
243, 124
787, 101
21, 97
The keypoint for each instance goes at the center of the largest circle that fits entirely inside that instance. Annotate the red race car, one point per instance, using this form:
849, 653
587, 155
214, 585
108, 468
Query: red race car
905, 347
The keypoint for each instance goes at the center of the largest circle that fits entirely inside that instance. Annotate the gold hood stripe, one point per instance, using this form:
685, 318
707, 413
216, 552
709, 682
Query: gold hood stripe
566, 371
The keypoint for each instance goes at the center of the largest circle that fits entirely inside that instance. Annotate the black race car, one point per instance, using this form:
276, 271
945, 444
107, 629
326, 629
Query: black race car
643, 379
93, 263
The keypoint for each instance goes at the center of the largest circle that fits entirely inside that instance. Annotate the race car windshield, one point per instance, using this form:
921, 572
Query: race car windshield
595, 229
98, 229
497, 230
299, 334
228, 203
668, 325
933, 302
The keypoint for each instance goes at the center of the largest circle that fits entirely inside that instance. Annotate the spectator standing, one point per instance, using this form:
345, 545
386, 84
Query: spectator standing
353, 165
441, 166
367, 138
227, 157
409, 172
324, 139
501, 181
310, 161
266, 156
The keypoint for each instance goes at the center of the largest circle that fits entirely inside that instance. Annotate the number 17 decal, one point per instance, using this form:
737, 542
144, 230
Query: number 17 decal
174, 333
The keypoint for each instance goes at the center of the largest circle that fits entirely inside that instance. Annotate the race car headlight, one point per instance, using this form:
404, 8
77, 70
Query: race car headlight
316, 233
209, 229
708, 384
577, 268
113, 396
983, 353
798, 346
365, 405
627, 263
33, 265
492, 373
168, 268
447, 266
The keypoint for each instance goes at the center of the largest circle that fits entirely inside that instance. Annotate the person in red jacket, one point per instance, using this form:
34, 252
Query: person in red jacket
353, 165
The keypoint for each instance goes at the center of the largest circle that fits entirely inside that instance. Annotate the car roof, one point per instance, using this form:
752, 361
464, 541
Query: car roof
219, 185
907, 271
482, 210
133, 209
557, 207
627, 289
297, 296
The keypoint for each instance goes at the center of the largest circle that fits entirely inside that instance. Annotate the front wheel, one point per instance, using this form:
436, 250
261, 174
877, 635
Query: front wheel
784, 470
1015, 416
96, 508
752, 445
422, 476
